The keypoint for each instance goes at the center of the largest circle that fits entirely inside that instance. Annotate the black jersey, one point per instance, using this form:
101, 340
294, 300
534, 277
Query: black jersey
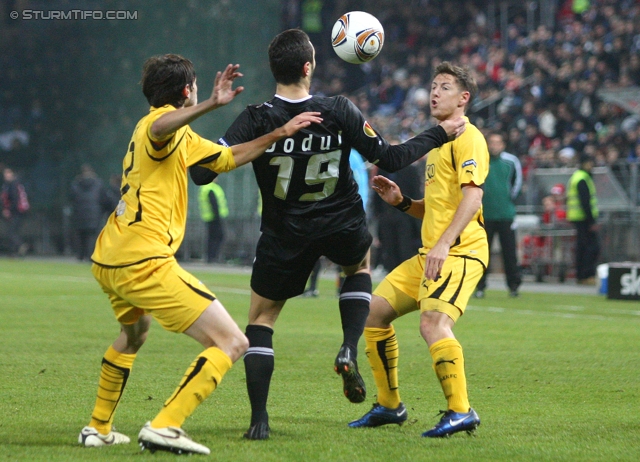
307, 185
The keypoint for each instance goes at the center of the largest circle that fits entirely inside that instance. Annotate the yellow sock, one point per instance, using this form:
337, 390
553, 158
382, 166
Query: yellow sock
202, 377
448, 363
113, 378
382, 351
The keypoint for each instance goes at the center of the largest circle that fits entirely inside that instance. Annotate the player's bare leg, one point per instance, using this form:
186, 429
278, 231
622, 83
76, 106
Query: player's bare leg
224, 344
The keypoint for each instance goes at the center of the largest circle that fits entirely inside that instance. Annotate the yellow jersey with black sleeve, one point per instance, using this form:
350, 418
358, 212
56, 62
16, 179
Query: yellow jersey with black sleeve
150, 219
453, 165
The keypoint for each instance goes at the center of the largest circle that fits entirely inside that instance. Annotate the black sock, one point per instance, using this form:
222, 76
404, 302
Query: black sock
355, 297
259, 364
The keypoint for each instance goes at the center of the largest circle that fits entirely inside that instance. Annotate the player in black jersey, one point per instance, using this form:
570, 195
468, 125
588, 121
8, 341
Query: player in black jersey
311, 207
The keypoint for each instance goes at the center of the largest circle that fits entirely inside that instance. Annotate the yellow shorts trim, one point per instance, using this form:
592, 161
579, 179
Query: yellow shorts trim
159, 287
407, 290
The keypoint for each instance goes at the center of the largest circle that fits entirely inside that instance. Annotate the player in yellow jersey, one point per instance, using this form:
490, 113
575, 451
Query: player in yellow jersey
441, 278
134, 259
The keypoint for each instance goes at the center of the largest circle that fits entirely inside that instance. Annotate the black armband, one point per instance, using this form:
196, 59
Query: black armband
201, 175
405, 204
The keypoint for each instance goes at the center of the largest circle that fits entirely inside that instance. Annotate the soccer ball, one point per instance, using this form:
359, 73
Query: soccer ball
357, 37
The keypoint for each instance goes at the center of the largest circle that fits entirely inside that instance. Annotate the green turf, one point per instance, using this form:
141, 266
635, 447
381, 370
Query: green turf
552, 376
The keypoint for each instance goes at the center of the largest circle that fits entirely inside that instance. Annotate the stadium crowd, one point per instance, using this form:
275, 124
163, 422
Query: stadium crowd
543, 81
538, 84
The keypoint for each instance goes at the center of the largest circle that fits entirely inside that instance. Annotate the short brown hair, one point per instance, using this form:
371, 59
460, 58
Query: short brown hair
164, 77
289, 51
463, 77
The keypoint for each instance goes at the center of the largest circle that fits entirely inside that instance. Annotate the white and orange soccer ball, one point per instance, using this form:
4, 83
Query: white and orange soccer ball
357, 37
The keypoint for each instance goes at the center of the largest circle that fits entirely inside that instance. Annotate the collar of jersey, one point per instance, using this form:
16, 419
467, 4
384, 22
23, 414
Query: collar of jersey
293, 100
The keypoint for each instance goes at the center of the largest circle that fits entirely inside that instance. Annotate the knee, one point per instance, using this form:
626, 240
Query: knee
137, 342
133, 336
430, 322
381, 315
237, 346
435, 326
426, 328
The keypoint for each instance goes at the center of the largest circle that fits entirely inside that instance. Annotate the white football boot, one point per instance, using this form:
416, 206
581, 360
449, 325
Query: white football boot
90, 438
172, 439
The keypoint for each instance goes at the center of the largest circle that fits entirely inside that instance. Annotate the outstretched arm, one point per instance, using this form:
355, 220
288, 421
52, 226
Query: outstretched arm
222, 94
251, 150
402, 155
246, 152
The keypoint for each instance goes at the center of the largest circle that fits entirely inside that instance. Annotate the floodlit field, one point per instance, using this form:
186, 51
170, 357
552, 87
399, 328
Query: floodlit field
552, 376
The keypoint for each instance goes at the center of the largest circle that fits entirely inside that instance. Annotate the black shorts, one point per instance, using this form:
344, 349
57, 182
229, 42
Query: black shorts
282, 266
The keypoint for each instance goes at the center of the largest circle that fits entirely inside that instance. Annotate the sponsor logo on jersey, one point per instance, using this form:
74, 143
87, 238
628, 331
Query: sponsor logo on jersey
430, 173
368, 130
223, 142
430, 170
469, 162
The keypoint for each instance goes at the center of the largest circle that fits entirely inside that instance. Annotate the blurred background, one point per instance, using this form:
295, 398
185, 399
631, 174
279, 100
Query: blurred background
559, 78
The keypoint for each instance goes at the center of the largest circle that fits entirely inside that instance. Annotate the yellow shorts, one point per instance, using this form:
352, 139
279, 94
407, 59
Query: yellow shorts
406, 288
159, 287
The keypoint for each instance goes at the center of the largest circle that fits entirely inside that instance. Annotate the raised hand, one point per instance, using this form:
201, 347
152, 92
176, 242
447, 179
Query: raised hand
387, 190
223, 93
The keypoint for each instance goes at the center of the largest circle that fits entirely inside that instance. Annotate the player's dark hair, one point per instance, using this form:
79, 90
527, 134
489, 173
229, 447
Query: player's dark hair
288, 53
463, 77
164, 77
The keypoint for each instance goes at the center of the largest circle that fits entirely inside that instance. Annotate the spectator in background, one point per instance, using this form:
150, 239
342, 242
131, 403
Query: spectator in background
502, 187
213, 211
113, 191
555, 212
15, 138
15, 205
582, 211
399, 233
554, 216
312, 290
89, 201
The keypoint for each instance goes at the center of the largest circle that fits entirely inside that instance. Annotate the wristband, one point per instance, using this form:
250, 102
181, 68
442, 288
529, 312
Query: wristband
405, 204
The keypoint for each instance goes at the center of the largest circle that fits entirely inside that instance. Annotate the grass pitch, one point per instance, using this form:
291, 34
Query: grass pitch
552, 376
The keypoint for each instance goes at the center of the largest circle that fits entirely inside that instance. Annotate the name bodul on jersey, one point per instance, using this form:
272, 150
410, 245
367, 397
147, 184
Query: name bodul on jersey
357, 37
308, 143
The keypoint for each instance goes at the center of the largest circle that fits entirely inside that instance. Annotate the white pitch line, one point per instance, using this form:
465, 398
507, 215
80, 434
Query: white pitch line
569, 307
631, 312
230, 290
47, 277
556, 314
53, 277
